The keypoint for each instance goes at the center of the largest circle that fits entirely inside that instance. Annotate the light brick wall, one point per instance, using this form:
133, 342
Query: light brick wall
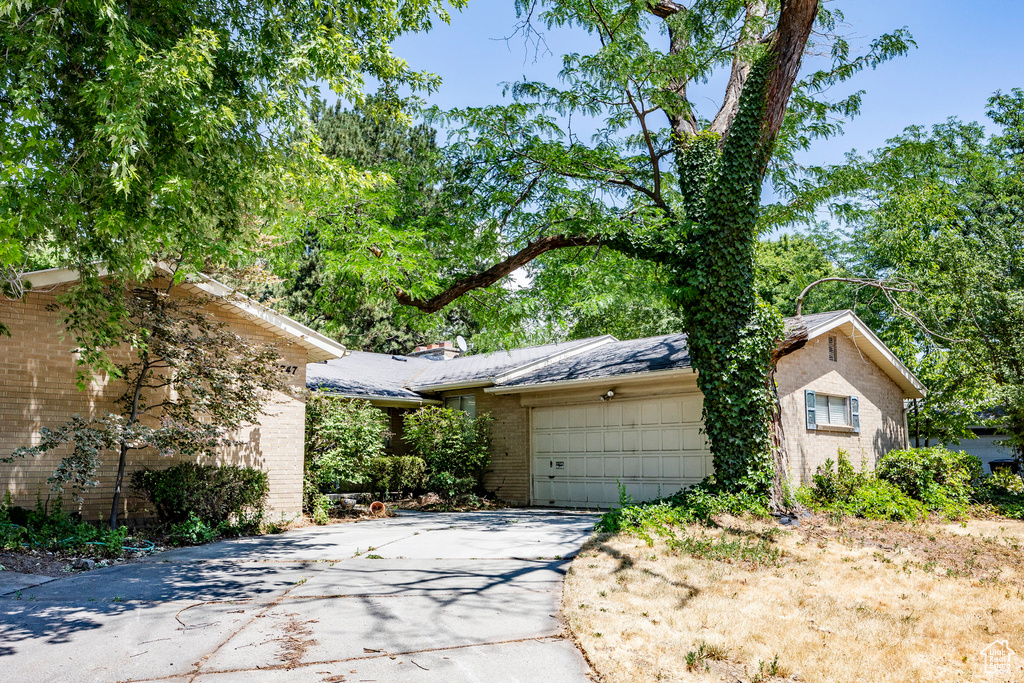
881, 406
37, 389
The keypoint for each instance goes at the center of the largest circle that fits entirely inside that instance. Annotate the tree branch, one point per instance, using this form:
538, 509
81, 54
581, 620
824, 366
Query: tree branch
751, 34
495, 272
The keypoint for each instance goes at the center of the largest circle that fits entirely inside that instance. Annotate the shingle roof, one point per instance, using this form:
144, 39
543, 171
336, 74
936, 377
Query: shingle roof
488, 366
373, 375
651, 354
402, 377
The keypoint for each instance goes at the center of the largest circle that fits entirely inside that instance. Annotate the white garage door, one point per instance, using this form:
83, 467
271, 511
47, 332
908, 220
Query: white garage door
654, 447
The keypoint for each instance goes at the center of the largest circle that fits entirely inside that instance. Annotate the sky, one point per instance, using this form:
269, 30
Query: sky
967, 49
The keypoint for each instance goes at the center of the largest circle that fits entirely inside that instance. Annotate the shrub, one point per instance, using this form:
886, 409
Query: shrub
395, 474
941, 479
880, 499
833, 486
1004, 492
341, 436
213, 495
192, 531
455, 447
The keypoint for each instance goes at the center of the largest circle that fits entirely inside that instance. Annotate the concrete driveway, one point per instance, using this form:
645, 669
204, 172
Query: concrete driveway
420, 597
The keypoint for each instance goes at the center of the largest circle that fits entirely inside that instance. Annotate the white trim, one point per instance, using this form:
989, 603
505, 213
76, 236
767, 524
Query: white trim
553, 358
381, 401
911, 385
475, 384
591, 381
317, 345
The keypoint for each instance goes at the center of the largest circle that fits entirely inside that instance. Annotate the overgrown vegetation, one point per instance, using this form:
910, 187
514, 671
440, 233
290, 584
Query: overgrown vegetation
197, 503
47, 526
696, 504
454, 446
343, 437
401, 474
909, 484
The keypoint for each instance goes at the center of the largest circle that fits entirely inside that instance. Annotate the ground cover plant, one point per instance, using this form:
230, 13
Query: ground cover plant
749, 600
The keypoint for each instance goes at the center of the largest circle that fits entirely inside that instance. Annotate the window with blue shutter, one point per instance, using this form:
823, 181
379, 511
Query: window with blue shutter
810, 404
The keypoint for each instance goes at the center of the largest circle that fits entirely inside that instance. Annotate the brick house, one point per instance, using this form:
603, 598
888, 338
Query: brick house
572, 420
37, 389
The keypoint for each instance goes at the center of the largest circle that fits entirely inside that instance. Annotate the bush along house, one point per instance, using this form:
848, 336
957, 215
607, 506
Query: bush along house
38, 370
573, 420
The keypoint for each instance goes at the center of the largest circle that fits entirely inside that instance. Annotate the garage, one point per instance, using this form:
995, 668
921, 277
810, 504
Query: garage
581, 453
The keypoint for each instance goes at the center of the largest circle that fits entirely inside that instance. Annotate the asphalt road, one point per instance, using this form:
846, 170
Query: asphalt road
420, 597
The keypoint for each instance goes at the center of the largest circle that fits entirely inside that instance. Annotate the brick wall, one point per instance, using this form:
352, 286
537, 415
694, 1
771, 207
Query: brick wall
37, 389
881, 406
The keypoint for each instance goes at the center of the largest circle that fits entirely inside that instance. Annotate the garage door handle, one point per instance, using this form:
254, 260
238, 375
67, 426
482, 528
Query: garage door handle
551, 476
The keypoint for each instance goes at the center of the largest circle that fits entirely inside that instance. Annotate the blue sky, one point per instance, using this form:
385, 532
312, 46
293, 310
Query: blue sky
966, 51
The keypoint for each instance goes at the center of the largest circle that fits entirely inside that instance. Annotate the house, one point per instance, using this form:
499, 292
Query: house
988, 443
38, 372
573, 420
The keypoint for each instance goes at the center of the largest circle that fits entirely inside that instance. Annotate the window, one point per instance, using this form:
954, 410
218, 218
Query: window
832, 410
466, 403
832, 349
827, 411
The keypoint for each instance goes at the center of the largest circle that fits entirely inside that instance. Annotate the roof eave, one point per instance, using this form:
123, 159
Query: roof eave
590, 381
892, 365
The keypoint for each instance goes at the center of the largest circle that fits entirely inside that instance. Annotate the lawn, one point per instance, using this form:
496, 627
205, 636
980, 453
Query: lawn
827, 601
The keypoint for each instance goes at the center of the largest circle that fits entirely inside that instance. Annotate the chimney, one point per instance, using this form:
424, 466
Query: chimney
440, 351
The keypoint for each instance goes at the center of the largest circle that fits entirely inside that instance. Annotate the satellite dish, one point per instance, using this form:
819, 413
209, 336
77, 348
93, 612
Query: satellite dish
460, 341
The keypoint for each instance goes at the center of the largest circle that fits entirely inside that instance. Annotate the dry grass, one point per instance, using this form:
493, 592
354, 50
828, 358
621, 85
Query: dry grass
861, 602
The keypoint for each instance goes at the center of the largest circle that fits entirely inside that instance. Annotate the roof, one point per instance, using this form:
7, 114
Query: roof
368, 375
667, 352
486, 368
401, 378
318, 347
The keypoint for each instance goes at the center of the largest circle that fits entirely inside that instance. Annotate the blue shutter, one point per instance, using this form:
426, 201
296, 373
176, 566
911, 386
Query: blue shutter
812, 422
855, 414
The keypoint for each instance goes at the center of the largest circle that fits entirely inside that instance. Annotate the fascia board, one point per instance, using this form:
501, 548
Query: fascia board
382, 401
914, 387
631, 378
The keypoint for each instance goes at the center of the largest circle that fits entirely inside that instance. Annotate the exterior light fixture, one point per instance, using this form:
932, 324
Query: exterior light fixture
607, 395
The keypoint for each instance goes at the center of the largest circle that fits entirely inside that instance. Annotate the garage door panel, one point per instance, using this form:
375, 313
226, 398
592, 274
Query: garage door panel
595, 442
631, 466
671, 467
650, 413
630, 441
613, 467
672, 412
542, 418
613, 414
595, 467
560, 443
595, 416
651, 440
612, 442
577, 417
693, 467
692, 406
671, 439
577, 467
652, 467
542, 443
630, 414
560, 418
577, 442
692, 440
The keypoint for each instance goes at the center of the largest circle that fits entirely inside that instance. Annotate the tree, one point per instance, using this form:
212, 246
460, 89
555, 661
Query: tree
189, 383
145, 130
942, 208
658, 182
422, 193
